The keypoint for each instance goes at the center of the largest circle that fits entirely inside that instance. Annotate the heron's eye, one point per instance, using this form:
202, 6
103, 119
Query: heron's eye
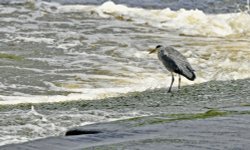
158, 46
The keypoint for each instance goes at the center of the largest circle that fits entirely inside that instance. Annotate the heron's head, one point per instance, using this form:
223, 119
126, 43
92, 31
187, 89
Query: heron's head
155, 49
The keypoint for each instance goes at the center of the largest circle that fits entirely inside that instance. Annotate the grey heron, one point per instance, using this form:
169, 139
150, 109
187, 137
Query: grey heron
175, 62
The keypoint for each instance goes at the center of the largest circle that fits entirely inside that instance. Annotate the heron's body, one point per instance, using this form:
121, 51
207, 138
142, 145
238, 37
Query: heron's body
175, 62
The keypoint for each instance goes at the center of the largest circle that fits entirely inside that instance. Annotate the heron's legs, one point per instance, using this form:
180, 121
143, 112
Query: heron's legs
179, 85
169, 90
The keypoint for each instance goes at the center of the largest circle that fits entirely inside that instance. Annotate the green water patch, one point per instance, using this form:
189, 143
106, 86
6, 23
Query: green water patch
165, 118
246, 104
68, 85
10, 56
178, 117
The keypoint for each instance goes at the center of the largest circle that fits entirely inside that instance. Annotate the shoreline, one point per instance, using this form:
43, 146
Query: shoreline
195, 92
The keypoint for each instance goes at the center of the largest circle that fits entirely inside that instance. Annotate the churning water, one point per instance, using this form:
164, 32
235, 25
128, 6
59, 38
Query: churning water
74, 50
52, 52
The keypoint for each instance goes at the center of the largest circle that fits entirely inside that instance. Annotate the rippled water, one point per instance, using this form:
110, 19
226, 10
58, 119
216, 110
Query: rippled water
52, 52
20, 126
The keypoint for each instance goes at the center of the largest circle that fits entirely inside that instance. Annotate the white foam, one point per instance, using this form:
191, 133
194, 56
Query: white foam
54, 123
139, 84
67, 46
38, 40
188, 22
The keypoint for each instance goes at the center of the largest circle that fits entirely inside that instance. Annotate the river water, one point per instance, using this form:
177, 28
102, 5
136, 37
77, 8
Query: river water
86, 50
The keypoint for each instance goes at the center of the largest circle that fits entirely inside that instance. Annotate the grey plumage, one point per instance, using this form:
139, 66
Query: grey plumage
175, 62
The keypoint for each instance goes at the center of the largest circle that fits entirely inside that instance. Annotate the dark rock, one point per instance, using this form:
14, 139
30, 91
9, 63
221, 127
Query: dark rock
81, 132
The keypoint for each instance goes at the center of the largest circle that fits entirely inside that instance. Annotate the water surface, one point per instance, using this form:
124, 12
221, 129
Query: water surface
75, 50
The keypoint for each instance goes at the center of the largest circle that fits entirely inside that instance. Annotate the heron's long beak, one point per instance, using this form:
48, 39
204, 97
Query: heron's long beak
152, 50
